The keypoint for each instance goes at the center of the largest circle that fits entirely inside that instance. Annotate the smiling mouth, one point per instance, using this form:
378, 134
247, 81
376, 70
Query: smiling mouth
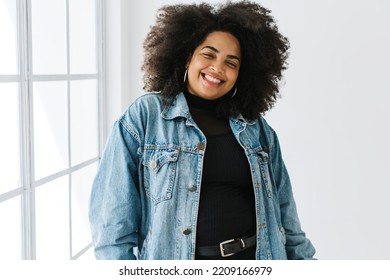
211, 79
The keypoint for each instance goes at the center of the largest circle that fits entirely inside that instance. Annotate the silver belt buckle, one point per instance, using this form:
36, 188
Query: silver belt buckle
227, 242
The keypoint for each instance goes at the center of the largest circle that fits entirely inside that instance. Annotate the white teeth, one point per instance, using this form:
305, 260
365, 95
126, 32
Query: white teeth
212, 79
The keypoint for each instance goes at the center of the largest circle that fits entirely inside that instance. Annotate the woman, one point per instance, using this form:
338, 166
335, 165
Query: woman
193, 171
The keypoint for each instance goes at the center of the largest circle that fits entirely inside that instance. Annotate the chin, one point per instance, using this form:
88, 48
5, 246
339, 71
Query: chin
210, 96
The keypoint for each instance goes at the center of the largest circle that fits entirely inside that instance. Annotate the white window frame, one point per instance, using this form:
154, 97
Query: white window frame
25, 78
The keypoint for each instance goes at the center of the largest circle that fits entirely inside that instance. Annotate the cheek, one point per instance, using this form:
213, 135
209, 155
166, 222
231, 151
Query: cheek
198, 64
192, 75
193, 70
233, 77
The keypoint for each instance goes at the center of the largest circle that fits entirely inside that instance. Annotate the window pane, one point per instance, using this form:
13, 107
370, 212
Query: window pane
10, 238
52, 220
8, 31
84, 120
82, 25
50, 128
81, 188
9, 145
49, 36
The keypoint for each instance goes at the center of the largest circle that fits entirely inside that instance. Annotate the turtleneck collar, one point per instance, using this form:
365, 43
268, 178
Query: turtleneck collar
195, 101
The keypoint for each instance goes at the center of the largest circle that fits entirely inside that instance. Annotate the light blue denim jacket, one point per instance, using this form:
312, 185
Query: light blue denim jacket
147, 189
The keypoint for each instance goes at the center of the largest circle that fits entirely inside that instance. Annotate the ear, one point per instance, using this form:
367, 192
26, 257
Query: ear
188, 60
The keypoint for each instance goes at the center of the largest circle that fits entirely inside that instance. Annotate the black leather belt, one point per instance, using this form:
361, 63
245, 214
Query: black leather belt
227, 248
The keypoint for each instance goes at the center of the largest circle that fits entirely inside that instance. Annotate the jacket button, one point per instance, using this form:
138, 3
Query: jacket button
192, 188
153, 164
187, 231
200, 146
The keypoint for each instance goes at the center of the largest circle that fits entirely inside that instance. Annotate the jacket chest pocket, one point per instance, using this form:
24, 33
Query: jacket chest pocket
264, 165
159, 172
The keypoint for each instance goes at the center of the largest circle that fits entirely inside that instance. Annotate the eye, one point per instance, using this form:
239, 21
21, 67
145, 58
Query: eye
232, 64
208, 55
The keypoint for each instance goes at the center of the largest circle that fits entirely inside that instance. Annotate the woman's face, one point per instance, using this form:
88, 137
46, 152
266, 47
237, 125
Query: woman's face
214, 66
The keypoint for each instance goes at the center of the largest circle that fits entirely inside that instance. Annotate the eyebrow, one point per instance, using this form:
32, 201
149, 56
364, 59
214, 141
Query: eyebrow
217, 51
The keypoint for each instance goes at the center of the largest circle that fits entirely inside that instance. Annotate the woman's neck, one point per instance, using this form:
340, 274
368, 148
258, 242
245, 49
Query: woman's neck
195, 101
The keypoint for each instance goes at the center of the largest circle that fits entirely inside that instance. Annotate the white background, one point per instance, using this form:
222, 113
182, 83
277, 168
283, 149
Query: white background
332, 119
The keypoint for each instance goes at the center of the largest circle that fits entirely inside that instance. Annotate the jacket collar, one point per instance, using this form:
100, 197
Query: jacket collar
178, 108
242, 120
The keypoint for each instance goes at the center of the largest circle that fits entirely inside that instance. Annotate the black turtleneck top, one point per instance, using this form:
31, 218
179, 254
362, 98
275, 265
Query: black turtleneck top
227, 204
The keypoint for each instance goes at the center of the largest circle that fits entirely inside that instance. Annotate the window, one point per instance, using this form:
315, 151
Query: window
51, 121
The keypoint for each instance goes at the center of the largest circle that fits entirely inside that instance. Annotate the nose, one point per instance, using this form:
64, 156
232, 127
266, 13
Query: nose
217, 67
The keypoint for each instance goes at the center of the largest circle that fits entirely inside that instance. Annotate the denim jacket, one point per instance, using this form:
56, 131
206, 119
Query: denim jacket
146, 192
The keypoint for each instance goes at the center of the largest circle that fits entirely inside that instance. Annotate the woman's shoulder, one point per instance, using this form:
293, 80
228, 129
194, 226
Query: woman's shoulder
143, 109
150, 102
146, 100
265, 125
267, 134
141, 113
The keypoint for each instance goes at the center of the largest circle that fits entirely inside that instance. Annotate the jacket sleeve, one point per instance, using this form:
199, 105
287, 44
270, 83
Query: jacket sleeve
297, 245
114, 208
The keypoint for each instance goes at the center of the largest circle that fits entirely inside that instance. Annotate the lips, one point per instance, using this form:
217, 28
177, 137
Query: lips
211, 79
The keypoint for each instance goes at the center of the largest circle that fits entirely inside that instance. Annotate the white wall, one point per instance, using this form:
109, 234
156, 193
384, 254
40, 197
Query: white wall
332, 119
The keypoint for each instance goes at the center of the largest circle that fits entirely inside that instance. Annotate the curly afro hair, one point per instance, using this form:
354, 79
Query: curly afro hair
180, 29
